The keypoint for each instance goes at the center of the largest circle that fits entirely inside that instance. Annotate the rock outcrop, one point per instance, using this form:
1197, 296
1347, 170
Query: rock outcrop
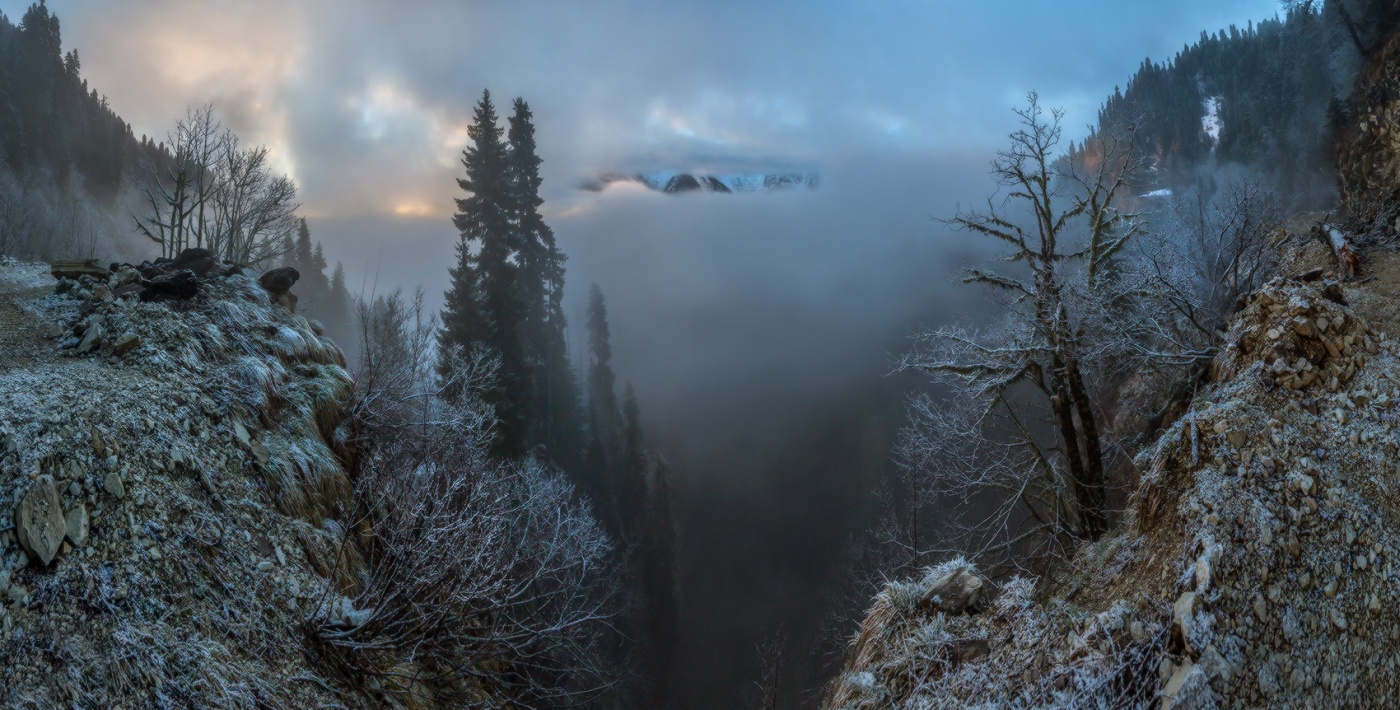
173, 503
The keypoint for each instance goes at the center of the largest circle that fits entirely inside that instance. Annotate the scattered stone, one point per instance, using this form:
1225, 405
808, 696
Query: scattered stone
39, 521
240, 432
126, 344
114, 486
77, 525
1183, 620
92, 338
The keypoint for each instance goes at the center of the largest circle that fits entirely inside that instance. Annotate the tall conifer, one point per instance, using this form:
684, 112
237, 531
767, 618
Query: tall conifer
553, 395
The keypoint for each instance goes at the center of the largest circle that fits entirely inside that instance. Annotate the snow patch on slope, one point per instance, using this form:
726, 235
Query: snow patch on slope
1211, 121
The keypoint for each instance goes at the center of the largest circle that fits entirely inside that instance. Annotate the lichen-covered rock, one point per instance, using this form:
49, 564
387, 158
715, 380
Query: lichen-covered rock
39, 522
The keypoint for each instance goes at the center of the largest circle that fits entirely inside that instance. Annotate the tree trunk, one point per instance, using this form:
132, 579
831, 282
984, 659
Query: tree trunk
1061, 403
1094, 501
1351, 29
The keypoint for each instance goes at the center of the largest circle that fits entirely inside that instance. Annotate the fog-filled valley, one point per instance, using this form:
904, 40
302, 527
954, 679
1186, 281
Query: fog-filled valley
669, 355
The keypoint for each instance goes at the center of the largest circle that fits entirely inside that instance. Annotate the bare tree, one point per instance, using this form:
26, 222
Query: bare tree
211, 192
988, 442
177, 188
254, 210
480, 573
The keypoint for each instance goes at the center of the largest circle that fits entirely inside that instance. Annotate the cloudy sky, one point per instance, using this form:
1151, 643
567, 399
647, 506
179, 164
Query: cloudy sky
365, 102
897, 103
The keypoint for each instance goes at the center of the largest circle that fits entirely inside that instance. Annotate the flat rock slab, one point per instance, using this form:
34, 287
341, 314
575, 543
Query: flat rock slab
73, 268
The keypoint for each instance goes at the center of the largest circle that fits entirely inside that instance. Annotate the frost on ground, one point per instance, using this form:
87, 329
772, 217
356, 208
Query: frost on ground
1255, 565
190, 447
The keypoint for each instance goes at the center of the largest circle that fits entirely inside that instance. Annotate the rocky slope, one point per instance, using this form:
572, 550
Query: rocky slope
1254, 568
169, 495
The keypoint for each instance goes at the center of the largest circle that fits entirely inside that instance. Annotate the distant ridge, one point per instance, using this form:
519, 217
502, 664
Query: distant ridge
678, 183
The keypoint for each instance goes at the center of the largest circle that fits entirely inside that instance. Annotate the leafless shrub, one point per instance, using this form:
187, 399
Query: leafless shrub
1164, 324
772, 658
483, 579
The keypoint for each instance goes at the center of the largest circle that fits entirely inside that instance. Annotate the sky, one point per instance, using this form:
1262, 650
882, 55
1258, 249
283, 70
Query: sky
366, 104
745, 322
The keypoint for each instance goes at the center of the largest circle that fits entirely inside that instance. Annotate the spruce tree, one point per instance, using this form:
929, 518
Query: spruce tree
602, 407
482, 306
553, 394
300, 256
338, 307
632, 479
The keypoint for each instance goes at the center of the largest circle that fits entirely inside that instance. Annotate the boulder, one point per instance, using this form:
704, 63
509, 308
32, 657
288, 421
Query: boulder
961, 591
200, 261
135, 288
39, 522
177, 284
279, 281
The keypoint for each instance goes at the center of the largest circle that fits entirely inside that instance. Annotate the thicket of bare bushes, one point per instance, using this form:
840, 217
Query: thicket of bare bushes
482, 579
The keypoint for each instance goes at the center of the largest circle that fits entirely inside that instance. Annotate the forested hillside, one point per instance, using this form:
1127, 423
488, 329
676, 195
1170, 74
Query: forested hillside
1270, 97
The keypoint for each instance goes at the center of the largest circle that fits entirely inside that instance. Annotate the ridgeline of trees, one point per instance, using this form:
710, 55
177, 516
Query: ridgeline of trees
1282, 88
505, 304
50, 120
